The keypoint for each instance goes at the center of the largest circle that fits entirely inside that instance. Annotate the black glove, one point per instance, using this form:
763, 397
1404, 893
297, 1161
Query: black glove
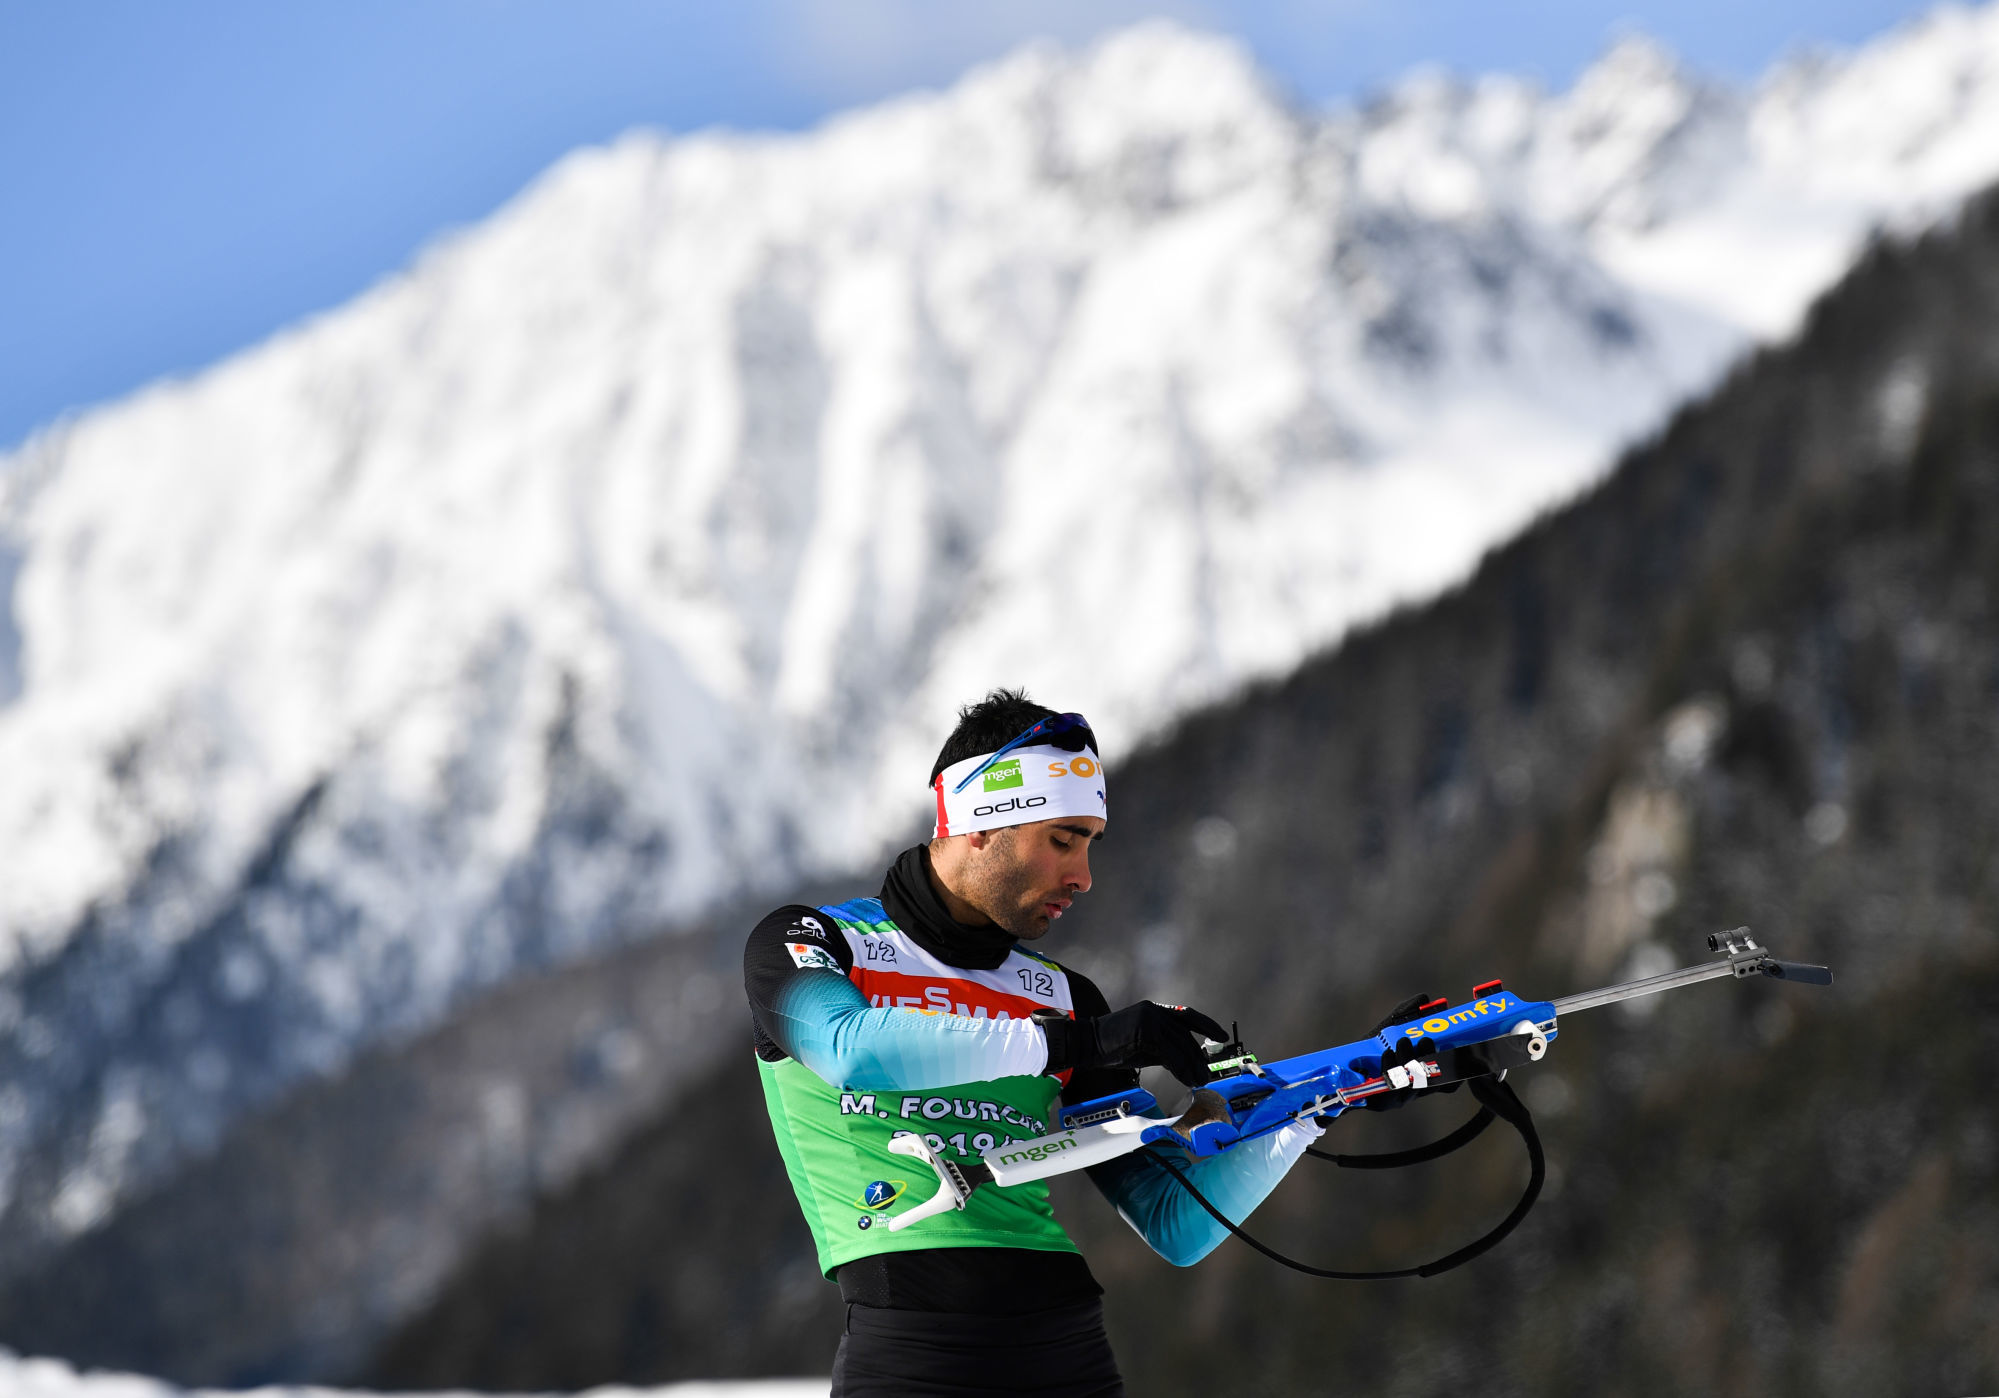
1405, 1052
1136, 1036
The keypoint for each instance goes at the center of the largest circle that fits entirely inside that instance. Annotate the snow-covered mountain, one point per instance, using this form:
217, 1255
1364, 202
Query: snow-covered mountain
630, 551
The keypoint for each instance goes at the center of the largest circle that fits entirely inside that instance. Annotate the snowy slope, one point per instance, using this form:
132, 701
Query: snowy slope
631, 549
51, 1378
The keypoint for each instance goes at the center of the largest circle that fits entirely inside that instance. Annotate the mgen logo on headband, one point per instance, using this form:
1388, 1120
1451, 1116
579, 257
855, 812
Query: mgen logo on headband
1028, 784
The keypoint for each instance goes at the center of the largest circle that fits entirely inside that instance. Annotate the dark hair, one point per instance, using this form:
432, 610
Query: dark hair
994, 721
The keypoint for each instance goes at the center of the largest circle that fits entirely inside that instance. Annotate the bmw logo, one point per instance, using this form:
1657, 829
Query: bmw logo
879, 1195
867, 1222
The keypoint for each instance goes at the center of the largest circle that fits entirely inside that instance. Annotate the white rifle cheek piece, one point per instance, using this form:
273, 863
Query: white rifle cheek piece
1017, 1162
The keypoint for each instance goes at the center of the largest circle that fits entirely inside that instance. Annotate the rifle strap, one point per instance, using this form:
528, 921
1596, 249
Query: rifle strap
1396, 1159
1495, 1099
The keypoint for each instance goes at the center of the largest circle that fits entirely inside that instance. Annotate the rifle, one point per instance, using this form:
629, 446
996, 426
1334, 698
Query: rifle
1476, 1043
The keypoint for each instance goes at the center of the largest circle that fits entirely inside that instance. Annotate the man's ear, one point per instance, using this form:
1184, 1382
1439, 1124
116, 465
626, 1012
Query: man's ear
979, 839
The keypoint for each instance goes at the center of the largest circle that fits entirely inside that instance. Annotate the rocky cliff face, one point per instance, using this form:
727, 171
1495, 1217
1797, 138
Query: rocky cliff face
625, 554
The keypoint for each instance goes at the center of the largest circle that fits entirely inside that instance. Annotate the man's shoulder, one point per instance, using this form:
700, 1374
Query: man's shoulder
1083, 991
796, 937
829, 924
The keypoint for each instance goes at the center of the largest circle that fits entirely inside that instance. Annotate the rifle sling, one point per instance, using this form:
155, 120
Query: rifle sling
1396, 1159
1495, 1099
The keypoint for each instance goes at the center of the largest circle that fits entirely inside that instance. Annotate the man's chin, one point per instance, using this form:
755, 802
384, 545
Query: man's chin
1030, 926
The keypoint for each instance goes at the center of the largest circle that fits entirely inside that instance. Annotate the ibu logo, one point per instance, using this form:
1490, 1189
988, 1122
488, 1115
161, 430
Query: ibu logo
881, 1193
1004, 775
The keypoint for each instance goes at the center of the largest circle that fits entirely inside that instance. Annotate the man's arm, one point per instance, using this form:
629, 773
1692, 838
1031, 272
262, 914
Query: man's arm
1146, 1195
1144, 1192
795, 969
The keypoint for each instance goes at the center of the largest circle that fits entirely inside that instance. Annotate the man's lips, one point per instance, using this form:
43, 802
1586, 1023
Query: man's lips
1055, 909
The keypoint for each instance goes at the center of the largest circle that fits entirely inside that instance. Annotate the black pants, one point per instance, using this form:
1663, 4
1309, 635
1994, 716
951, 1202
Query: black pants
1061, 1353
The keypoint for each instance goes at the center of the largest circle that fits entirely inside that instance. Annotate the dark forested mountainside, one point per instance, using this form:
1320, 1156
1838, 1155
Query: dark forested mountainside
1751, 679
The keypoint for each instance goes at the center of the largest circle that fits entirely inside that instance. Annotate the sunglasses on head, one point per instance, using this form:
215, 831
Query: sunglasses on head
1070, 732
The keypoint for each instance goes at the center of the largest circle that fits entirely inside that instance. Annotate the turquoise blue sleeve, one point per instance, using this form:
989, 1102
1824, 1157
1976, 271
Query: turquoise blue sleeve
1145, 1193
821, 1019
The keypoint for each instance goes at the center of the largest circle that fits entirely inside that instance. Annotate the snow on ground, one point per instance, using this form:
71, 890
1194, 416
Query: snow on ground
51, 1378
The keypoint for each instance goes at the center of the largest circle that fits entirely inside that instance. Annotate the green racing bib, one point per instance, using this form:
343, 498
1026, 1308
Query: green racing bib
834, 1140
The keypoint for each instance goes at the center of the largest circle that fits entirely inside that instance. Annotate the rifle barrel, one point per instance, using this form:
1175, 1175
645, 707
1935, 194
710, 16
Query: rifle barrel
1652, 985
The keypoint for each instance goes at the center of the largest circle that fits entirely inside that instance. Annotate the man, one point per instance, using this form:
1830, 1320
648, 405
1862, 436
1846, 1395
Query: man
921, 1010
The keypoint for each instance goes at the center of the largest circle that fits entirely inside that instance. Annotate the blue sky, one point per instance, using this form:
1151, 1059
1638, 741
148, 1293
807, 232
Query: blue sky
180, 179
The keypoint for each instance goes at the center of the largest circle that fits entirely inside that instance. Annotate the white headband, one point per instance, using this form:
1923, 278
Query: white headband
1029, 783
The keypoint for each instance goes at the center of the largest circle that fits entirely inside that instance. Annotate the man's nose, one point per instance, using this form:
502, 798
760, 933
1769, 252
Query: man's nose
1077, 880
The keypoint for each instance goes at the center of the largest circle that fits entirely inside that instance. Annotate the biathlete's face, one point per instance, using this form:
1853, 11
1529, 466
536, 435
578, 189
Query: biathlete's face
1026, 876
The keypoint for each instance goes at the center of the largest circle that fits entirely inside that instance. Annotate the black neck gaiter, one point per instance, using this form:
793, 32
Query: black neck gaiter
913, 905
